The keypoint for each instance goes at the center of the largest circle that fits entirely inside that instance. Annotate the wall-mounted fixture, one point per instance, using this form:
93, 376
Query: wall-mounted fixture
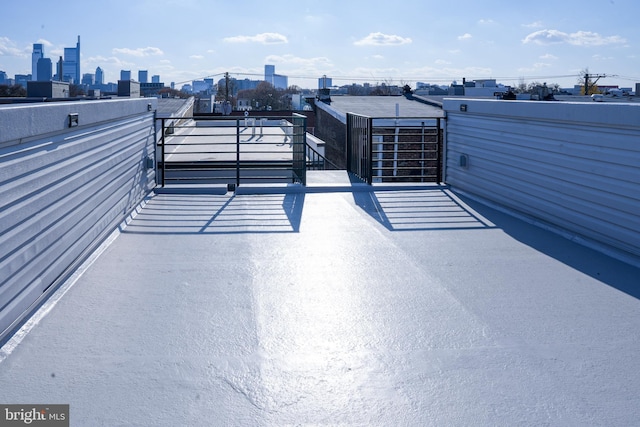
464, 161
463, 107
150, 163
73, 120
149, 107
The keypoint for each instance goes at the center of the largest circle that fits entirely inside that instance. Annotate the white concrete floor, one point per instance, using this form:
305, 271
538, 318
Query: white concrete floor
341, 308
206, 143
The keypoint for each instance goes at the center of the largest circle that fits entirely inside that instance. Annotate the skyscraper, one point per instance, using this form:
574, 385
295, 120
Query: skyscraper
143, 76
125, 75
38, 53
71, 63
88, 79
44, 69
99, 76
269, 71
277, 80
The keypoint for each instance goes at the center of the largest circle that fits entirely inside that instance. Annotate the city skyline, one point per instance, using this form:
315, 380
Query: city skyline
407, 42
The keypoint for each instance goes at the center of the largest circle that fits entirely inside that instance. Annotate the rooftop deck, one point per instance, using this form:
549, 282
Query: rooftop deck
338, 304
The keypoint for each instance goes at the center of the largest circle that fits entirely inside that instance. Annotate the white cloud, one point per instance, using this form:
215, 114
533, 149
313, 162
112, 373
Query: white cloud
314, 19
47, 43
548, 56
8, 47
442, 62
264, 38
297, 61
378, 57
486, 21
537, 24
465, 36
103, 61
140, 52
535, 68
579, 38
196, 57
380, 39
598, 57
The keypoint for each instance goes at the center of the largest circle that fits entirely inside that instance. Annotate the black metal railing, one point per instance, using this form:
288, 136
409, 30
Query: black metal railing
230, 150
317, 161
395, 149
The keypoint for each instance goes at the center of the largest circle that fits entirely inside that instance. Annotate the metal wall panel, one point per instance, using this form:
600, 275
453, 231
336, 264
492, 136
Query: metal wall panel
60, 194
575, 166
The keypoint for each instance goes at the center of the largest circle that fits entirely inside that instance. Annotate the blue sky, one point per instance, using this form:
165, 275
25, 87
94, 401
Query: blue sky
351, 41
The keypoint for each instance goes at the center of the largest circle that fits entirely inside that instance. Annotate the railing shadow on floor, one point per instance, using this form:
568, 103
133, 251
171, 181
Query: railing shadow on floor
182, 214
419, 209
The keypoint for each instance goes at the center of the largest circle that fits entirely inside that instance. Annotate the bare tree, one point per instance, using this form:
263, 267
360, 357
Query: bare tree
12, 91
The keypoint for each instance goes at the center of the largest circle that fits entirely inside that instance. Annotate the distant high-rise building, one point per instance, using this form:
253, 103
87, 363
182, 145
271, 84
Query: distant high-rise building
71, 64
269, 71
44, 69
324, 82
125, 75
3, 77
155, 79
38, 53
143, 76
58, 75
22, 79
88, 79
200, 86
99, 76
278, 81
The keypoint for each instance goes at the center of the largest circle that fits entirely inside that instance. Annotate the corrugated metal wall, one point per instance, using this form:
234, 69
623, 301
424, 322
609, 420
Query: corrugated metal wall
60, 194
573, 165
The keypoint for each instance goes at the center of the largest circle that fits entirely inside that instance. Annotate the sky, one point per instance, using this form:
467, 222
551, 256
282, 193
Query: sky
393, 42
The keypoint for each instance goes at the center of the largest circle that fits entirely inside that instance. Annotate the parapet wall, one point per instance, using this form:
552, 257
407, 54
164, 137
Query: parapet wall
570, 165
63, 189
331, 127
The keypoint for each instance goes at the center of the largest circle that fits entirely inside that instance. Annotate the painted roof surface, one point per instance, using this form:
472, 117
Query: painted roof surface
355, 306
384, 106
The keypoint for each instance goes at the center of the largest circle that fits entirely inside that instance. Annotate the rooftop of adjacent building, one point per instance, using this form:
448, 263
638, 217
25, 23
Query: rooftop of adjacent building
386, 106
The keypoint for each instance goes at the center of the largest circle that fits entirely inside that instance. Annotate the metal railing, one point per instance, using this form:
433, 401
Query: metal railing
232, 150
395, 149
317, 161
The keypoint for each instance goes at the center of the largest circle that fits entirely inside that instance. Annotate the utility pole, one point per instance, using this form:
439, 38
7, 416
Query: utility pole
587, 85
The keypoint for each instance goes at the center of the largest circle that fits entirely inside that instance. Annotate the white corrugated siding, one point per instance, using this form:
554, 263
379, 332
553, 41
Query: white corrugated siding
576, 166
60, 194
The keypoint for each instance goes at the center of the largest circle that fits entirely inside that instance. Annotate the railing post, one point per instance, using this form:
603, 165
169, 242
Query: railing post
299, 147
422, 153
440, 162
237, 153
164, 163
370, 150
